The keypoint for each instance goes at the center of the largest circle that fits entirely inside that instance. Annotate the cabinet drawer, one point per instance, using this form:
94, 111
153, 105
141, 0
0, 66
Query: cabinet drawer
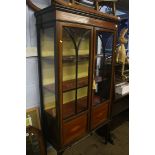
74, 129
99, 115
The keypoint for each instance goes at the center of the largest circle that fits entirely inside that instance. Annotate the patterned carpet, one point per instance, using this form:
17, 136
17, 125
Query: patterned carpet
94, 145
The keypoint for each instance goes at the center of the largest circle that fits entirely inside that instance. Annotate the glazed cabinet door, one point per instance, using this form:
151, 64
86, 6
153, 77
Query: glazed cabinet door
76, 55
102, 76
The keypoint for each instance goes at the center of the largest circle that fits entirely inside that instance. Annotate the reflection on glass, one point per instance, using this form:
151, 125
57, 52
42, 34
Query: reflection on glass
103, 66
48, 70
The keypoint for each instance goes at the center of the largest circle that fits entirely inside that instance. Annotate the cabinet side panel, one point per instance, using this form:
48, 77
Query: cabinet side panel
48, 84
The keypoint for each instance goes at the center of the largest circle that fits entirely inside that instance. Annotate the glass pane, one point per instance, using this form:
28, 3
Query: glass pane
69, 75
83, 55
82, 96
75, 57
48, 70
69, 103
83, 73
103, 66
85, 43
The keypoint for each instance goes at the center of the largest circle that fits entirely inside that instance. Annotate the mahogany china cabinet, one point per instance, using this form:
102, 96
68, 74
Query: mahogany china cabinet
75, 49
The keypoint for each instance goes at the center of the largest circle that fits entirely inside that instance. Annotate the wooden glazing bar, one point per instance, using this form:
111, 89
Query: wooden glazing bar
68, 108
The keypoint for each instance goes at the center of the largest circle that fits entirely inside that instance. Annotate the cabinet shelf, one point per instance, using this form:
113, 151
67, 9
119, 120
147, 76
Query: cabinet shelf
72, 58
68, 58
69, 84
69, 107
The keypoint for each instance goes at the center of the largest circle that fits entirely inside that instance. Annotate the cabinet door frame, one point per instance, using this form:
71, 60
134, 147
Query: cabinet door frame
96, 29
60, 26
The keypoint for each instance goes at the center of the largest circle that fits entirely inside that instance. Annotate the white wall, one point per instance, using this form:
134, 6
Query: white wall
32, 91
32, 83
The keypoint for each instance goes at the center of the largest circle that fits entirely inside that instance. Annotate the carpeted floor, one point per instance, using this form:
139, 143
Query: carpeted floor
94, 145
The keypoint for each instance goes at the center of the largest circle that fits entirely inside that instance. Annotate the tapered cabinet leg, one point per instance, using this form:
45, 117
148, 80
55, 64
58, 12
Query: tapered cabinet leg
108, 137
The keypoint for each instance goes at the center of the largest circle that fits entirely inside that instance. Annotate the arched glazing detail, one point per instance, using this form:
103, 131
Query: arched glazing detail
103, 67
75, 60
